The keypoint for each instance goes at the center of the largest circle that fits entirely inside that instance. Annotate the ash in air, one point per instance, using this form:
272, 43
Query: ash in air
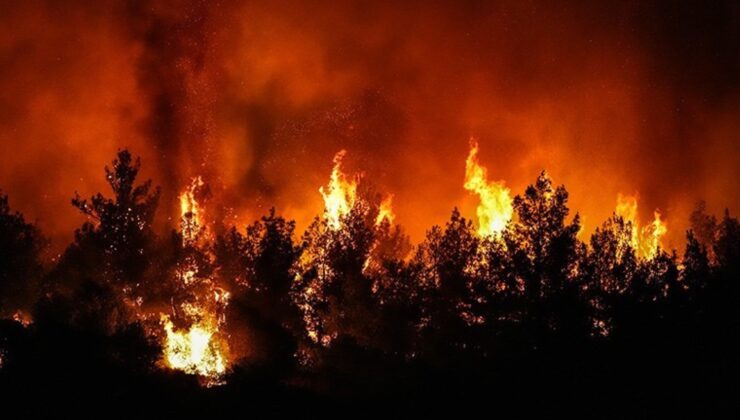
216, 306
341, 209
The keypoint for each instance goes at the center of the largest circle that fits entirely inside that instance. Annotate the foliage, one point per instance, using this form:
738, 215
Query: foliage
356, 294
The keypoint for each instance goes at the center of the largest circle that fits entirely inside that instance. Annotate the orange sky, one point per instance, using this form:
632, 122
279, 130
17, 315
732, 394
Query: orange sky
258, 97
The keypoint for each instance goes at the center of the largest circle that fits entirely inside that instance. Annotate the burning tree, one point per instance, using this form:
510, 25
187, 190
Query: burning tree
337, 275
195, 340
212, 302
495, 208
645, 241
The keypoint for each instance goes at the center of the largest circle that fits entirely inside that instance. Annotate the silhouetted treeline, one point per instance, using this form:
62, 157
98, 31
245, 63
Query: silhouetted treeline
357, 313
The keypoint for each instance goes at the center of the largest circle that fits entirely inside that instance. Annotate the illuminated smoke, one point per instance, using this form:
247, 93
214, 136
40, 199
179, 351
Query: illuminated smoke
607, 98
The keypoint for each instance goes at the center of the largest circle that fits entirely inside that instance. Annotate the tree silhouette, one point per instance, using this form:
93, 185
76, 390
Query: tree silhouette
345, 280
727, 246
257, 267
395, 290
122, 225
545, 256
704, 227
608, 271
106, 266
445, 259
21, 244
696, 270
362, 311
331, 278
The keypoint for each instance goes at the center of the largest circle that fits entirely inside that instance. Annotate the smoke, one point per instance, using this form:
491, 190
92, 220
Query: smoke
258, 96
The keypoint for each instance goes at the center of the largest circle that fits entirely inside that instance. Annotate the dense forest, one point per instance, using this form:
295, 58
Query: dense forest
349, 315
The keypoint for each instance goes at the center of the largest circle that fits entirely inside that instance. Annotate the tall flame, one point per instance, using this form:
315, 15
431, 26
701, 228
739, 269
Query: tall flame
652, 235
191, 213
627, 210
199, 349
647, 240
339, 195
495, 208
385, 211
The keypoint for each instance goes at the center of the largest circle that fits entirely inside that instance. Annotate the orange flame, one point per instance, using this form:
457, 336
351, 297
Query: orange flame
652, 235
22, 317
199, 349
627, 210
191, 213
385, 211
647, 240
195, 351
495, 208
339, 195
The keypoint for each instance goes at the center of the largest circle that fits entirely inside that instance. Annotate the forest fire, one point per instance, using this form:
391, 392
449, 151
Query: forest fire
191, 214
339, 195
347, 212
195, 351
385, 211
495, 208
200, 347
208, 207
646, 241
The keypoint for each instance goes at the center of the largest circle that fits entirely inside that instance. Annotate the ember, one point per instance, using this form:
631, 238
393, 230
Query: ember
318, 209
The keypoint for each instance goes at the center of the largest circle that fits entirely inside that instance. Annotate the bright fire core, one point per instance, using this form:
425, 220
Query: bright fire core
199, 349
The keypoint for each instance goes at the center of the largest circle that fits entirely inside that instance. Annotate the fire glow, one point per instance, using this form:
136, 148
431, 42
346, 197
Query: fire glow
199, 349
646, 241
495, 208
207, 207
339, 195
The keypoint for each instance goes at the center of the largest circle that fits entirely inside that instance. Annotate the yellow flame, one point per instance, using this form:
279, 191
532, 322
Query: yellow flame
339, 195
647, 240
385, 211
191, 213
627, 210
195, 351
199, 349
495, 208
652, 235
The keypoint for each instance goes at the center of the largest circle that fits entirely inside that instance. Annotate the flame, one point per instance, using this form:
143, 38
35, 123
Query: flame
652, 235
339, 195
191, 213
195, 351
385, 211
199, 349
647, 240
495, 208
22, 318
627, 210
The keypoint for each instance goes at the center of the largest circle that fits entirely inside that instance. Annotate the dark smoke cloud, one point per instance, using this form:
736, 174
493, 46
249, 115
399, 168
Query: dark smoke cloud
258, 96
177, 83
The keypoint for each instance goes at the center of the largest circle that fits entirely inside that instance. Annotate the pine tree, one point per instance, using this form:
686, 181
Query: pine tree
21, 244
